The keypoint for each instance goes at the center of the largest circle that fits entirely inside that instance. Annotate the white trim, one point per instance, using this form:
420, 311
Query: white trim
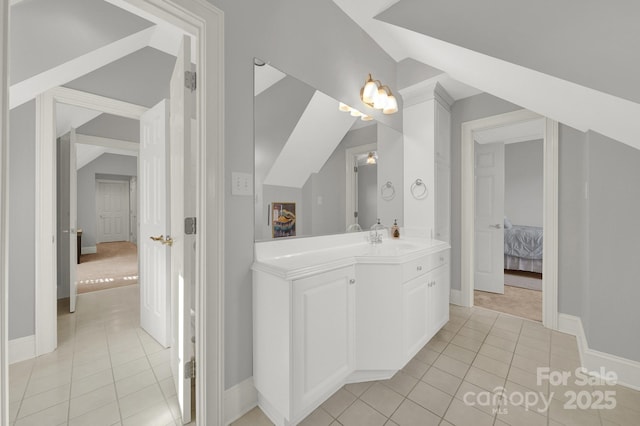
455, 297
239, 400
107, 142
628, 371
351, 201
22, 348
28, 89
89, 250
4, 212
550, 214
205, 22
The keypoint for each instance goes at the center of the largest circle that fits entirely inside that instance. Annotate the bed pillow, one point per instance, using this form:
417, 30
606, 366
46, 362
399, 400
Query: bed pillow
507, 223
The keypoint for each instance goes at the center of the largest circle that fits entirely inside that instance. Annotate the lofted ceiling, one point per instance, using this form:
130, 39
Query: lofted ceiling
537, 59
95, 46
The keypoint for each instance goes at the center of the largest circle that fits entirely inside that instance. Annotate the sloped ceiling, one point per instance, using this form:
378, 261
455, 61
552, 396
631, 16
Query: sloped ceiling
585, 102
47, 33
311, 142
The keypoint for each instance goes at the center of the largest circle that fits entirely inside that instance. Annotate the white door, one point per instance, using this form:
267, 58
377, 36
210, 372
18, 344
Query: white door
73, 222
112, 208
153, 208
489, 217
182, 205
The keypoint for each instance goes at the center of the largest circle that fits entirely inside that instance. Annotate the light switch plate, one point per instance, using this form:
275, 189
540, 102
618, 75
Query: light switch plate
241, 184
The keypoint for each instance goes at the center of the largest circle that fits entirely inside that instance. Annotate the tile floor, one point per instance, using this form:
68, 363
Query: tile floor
106, 370
477, 351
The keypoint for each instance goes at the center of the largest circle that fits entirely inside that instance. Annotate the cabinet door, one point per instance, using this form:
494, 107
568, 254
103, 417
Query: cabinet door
415, 294
443, 202
323, 334
439, 298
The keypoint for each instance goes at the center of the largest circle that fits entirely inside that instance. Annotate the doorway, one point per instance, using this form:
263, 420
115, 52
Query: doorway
508, 219
550, 208
361, 187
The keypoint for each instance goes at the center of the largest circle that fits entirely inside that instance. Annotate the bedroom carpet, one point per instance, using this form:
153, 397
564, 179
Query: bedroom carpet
114, 265
517, 301
529, 280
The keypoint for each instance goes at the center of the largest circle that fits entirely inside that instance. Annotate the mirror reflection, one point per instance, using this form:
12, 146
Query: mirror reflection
317, 168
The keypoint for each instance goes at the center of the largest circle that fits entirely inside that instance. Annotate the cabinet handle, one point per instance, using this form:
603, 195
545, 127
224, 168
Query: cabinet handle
419, 268
352, 281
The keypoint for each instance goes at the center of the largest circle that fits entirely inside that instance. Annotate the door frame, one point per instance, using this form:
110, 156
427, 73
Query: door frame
351, 181
205, 22
128, 198
550, 209
45, 193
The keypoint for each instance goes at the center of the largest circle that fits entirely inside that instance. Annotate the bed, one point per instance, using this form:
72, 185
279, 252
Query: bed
522, 248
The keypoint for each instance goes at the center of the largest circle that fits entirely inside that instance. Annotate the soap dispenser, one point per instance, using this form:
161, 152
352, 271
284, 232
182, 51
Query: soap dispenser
395, 229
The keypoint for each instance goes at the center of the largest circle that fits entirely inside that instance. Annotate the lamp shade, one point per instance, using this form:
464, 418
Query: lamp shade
391, 106
381, 99
355, 112
369, 91
344, 107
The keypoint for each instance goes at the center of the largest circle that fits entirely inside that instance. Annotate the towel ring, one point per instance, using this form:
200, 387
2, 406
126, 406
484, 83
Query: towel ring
387, 191
419, 190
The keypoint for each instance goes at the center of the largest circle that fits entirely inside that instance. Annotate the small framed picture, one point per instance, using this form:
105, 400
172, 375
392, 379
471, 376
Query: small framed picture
283, 219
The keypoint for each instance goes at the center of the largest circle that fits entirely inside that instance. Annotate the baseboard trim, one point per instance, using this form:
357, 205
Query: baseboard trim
239, 399
455, 297
89, 250
628, 371
22, 348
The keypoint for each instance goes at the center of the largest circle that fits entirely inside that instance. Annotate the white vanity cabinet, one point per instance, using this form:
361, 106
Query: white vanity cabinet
327, 314
304, 345
425, 300
323, 336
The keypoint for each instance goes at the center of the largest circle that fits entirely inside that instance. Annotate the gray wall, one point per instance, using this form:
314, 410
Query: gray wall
523, 183
63, 205
330, 184
310, 40
22, 207
119, 167
390, 169
614, 245
368, 195
573, 269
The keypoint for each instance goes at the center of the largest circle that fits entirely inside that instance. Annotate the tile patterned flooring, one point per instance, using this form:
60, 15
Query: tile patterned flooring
106, 370
477, 351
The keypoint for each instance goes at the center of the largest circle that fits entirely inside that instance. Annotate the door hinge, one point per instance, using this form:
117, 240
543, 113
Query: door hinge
190, 80
355, 214
190, 369
189, 225
355, 169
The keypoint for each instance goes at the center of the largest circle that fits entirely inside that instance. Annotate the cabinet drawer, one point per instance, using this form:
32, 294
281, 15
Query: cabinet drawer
424, 264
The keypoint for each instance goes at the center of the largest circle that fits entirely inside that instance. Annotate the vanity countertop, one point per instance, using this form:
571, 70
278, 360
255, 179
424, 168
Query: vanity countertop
305, 258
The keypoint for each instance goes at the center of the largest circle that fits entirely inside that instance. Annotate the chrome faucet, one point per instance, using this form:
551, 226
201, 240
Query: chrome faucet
376, 232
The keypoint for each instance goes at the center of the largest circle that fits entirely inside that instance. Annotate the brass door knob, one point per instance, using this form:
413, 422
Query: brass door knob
160, 238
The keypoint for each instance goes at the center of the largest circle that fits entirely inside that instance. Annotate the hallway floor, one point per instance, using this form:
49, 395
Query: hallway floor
478, 353
113, 265
106, 370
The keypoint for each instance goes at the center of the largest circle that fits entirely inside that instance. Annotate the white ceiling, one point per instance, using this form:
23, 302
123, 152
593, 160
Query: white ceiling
265, 76
578, 106
311, 142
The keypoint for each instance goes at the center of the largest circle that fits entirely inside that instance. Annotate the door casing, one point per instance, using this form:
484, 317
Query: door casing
205, 22
550, 209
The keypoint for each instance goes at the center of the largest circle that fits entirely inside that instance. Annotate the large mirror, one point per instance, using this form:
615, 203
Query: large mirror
319, 170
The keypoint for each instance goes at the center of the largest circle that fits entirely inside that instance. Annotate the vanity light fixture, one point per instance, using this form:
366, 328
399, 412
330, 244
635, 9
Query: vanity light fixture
376, 95
372, 158
354, 112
